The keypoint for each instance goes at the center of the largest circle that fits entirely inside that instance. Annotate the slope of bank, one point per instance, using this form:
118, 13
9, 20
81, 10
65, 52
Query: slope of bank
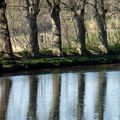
54, 62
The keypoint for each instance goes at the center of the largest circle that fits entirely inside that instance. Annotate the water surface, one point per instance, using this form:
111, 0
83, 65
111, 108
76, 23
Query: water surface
71, 94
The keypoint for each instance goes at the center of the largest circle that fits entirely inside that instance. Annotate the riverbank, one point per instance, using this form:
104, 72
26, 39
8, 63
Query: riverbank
55, 62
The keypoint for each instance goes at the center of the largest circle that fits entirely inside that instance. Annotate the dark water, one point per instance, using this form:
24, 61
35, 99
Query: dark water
58, 95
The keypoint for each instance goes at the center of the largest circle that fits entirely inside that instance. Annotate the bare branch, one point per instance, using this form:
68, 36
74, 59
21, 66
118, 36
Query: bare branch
49, 3
27, 3
90, 4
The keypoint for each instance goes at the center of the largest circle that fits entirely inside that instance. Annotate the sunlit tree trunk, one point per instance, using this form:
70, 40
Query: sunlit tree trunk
4, 31
6, 84
54, 114
77, 7
54, 10
100, 14
32, 12
81, 31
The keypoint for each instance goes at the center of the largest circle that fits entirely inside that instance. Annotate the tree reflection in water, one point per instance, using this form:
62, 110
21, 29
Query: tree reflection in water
4, 97
61, 96
81, 90
18, 101
54, 113
33, 86
102, 90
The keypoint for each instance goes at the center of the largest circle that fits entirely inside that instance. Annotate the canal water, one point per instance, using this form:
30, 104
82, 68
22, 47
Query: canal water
89, 93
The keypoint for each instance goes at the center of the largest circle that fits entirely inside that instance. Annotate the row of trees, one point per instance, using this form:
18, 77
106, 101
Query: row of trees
76, 7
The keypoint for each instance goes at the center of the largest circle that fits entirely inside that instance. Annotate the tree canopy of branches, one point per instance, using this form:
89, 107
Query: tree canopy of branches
75, 12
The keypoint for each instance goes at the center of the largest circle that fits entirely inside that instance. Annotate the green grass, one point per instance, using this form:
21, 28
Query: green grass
15, 65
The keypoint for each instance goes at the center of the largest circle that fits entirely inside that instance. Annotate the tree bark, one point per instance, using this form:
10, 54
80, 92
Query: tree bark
56, 29
100, 14
78, 9
4, 31
32, 12
81, 32
54, 9
32, 20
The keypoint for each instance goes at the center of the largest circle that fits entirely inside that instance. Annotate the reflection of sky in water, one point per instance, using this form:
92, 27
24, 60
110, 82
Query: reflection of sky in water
91, 95
44, 96
18, 104
69, 91
112, 100
18, 99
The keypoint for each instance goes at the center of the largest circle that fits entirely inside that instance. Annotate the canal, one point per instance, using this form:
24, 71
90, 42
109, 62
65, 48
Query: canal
75, 93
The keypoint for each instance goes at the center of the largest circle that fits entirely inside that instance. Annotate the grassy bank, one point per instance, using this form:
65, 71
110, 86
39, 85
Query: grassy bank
31, 64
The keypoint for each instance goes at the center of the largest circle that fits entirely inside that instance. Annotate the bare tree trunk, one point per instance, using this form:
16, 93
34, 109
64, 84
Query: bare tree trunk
54, 9
32, 12
78, 9
100, 14
4, 31
56, 29
81, 32
32, 20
